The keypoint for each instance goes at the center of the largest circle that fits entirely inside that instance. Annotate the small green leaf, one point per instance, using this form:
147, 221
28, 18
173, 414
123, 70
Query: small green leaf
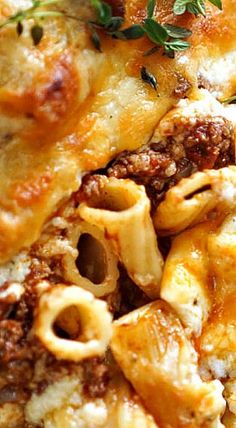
96, 40
103, 11
150, 8
32, 12
155, 32
201, 7
177, 32
149, 78
178, 45
17, 17
217, 3
106, 13
180, 7
36, 34
130, 33
192, 6
36, 3
114, 24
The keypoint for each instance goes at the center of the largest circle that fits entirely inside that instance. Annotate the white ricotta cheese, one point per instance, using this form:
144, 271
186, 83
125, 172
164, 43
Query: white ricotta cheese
16, 270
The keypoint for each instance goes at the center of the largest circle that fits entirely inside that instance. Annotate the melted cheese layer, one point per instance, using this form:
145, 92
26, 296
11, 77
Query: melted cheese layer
66, 109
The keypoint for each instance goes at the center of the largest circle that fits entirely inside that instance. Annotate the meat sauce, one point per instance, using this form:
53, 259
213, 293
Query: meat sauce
204, 144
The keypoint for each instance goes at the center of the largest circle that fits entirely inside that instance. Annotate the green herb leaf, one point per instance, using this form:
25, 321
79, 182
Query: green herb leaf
150, 8
178, 45
230, 100
217, 3
167, 36
36, 34
133, 32
18, 17
32, 12
96, 40
180, 6
155, 32
177, 32
197, 7
103, 11
114, 24
148, 77
193, 6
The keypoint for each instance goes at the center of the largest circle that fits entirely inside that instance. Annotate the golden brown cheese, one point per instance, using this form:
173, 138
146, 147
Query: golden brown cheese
66, 109
217, 344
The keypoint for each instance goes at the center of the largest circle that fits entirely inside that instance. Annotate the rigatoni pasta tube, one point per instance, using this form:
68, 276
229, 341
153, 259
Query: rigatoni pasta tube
97, 257
184, 204
193, 198
122, 209
156, 356
94, 322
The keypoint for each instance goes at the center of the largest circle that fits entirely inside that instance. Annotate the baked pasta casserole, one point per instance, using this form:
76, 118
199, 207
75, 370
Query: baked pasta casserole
117, 214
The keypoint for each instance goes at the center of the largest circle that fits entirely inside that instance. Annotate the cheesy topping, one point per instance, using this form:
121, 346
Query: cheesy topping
65, 108
66, 111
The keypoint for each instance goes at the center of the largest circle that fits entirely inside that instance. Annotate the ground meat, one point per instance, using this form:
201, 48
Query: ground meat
90, 189
16, 357
11, 333
182, 87
18, 350
96, 377
49, 370
209, 143
204, 143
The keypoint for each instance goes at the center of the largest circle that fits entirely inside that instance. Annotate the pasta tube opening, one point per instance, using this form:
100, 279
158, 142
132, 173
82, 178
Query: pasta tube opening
91, 261
90, 314
93, 265
113, 197
67, 324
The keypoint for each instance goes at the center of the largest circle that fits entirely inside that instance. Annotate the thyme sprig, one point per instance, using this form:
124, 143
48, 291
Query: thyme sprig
167, 36
197, 7
33, 12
